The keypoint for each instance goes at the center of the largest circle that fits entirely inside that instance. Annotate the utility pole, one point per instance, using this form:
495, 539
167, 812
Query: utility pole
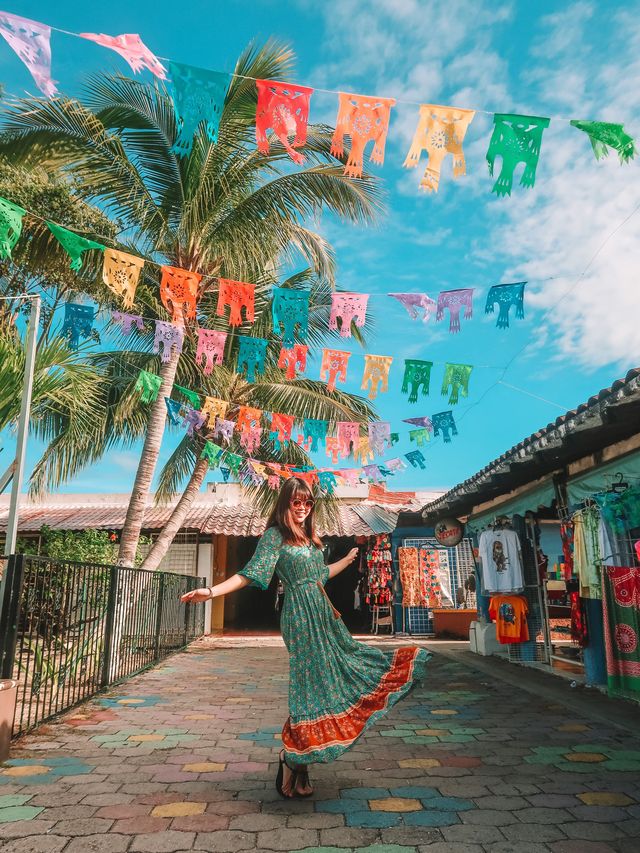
23, 428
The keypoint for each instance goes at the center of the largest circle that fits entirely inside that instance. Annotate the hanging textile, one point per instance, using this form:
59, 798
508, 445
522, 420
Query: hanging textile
224, 430
73, 244
362, 452
198, 96
429, 577
121, 272
214, 408
212, 453
420, 436
416, 373
283, 108
290, 308
236, 295
621, 608
210, 349
192, 396
78, 323
348, 435
395, 438
516, 139
226, 472
132, 49
424, 422
414, 302
457, 377
442, 423
379, 572
316, 430
620, 511
416, 458
127, 322
364, 119
281, 426
148, 384
379, 436
579, 633
440, 131
31, 41
174, 411
566, 539
454, 300
10, 225
251, 355
179, 292
373, 473
587, 558
192, 419
250, 438
504, 296
334, 361
501, 560
248, 417
376, 374
290, 359
412, 595
332, 446
327, 482
167, 337
603, 135
347, 307
509, 612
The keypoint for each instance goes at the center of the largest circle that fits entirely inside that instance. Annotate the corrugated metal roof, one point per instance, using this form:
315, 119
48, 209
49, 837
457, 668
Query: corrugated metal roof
380, 520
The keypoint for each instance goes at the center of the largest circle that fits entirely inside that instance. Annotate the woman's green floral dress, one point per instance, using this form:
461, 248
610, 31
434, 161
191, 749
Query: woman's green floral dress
338, 687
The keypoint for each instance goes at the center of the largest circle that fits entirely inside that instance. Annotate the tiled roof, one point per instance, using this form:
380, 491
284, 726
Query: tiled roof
208, 514
611, 415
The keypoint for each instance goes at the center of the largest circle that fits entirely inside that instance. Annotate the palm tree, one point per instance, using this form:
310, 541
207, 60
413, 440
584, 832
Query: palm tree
225, 209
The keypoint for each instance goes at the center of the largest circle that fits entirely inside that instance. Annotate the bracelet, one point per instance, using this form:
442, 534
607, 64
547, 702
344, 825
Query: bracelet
211, 595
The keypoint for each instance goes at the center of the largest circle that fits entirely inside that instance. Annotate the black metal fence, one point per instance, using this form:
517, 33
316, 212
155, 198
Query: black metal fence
69, 629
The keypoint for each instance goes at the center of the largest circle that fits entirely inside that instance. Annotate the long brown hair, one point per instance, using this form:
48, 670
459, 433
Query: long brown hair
281, 517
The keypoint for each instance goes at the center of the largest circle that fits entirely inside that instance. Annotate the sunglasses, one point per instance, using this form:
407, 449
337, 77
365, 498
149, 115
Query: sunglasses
296, 503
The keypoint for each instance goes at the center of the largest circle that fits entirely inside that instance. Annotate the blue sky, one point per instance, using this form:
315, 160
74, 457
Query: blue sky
577, 60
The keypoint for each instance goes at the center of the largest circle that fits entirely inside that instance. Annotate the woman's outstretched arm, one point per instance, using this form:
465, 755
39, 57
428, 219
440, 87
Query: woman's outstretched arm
204, 593
341, 565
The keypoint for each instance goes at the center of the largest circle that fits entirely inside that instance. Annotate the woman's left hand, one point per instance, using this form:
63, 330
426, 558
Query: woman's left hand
353, 553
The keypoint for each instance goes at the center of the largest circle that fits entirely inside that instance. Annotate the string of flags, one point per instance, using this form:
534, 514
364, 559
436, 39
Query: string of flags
346, 441
236, 299
283, 108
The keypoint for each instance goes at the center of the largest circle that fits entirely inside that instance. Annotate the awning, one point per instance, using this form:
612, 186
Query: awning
598, 480
542, 495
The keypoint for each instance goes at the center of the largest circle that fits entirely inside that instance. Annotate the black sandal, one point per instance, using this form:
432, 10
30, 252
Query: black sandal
303, 776
280, 776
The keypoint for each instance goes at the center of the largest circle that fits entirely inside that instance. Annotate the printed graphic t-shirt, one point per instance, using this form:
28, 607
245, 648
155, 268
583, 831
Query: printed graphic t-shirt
501, 561
509, 612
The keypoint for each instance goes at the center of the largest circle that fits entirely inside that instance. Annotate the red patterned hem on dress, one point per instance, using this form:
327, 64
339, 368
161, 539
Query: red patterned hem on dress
327, 737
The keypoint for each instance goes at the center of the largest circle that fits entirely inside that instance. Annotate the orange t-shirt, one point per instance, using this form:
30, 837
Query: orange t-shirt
509, 612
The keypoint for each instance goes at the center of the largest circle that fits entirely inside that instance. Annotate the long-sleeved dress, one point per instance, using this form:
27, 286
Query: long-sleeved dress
338, 687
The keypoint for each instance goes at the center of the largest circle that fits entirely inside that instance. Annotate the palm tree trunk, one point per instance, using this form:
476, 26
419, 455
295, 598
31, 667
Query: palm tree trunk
177, 517
147, 465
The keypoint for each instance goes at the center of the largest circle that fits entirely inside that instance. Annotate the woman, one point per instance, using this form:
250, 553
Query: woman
338, 687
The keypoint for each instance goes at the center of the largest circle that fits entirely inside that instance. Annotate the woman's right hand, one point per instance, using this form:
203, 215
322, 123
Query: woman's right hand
196, 596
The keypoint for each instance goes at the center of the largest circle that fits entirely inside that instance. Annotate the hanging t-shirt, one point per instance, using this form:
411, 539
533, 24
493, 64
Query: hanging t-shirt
501, 559
509, 612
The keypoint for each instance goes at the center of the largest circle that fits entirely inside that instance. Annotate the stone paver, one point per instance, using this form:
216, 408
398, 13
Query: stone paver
466, 764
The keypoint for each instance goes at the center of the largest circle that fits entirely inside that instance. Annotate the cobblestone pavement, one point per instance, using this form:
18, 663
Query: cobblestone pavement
184, 758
